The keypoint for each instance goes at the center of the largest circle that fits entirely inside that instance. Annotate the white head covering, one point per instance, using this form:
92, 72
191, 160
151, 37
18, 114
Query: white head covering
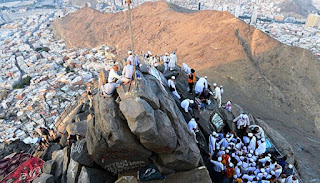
249, 155
262, 170
233, 155
256, 153
129, 52
269, 155
191, 101
227, 151
251, 151
214, 84
227, 135
149, 52
222, 148
290, 166
221, 86
205, 77
235, 176
220, 159
263, 139
214, 133
230, 164
166, 53
250, 135
173, 77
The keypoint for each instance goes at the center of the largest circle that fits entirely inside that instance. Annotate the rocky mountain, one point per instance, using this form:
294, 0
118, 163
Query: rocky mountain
297, 7
275, 82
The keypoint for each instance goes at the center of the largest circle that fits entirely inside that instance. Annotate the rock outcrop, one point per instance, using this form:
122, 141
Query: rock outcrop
146, 121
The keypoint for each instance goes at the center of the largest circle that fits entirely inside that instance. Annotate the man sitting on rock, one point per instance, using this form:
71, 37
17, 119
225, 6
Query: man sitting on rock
127, 73
113, 74
108, 89
242, 121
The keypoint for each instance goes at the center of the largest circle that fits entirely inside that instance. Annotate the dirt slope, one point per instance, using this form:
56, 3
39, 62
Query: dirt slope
275, 82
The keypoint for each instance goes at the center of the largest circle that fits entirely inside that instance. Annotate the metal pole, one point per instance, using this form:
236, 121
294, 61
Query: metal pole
132, 42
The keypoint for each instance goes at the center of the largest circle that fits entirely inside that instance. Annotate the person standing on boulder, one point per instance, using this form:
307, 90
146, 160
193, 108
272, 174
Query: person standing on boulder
191, 80
172, 86
217, 94
166, 60
173, 61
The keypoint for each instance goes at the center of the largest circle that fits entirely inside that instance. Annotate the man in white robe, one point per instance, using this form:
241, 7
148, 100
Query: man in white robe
193, 127
166, 60
212, 143
185, 104
201, 84
242, 121
172, 86
113, 74
262, 147
173, 61
217, 94
253, 141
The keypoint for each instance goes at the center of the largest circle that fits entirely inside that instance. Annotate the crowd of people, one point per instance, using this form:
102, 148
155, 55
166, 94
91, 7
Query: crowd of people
47, 137
235, 157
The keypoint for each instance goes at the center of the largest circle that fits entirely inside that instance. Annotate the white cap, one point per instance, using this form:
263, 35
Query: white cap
129, 52
214, 84
218, 147
269, 155
217, 135
191, 101
223, 152
227, 151
256, 153
235, 176
251, 160
249, 155
233, 155
221, 86
220, 159
149, 52
166, 53
227, 135
229, 146
250, 134
263, 139
262, 170
290, 166
240, 163
251, 151
254, 164
230, 164
205, 77
214, 133
222, 148
273, 173
173, 77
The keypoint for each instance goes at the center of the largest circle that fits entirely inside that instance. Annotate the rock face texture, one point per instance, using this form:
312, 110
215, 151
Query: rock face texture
276, 83
123, 136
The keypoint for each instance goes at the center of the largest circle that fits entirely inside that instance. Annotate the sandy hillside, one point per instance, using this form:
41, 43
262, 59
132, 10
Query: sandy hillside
275, 82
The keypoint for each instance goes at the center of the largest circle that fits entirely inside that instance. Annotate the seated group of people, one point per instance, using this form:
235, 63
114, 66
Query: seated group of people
114, 79
246, 159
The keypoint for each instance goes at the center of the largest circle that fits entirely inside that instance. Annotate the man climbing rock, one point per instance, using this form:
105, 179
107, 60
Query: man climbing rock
172, 86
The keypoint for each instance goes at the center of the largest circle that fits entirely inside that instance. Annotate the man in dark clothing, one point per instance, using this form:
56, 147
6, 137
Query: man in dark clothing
191, 80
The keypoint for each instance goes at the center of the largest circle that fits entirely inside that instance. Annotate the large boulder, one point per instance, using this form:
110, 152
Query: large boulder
78, 128
73, 171
49, 167
109, 140
66, 161
79, 153
179, 152
91, 175
57, 157
48, 152
44, 178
